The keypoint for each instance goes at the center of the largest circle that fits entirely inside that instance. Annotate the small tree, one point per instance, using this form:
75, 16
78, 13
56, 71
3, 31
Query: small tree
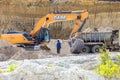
108, 68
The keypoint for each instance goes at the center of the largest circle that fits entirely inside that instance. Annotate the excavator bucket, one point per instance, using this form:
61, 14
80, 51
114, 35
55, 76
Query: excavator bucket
76, 45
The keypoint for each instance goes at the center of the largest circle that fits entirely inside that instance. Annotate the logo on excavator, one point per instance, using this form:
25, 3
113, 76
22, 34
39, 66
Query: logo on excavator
59, 17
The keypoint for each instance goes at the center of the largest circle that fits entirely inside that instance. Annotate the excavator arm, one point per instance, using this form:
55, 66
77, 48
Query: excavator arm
80, 22
78, 16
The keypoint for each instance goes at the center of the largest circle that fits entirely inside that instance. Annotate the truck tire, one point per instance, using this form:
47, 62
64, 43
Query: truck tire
96, 49
85, 49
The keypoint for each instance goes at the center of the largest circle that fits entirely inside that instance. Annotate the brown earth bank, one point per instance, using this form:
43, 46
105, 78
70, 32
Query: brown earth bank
23, 15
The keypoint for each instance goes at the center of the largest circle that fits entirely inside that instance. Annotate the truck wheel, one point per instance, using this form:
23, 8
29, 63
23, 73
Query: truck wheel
96, 49
85, 49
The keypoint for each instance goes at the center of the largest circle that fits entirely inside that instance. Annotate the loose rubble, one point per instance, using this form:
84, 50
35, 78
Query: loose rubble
62, 68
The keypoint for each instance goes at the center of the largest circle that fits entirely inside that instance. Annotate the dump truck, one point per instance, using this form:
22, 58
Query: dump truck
93, 41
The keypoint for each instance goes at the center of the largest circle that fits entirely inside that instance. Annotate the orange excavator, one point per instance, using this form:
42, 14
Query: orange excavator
41, 34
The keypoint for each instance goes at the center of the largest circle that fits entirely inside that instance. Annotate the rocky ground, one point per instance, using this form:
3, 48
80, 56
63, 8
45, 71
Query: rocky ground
43, 65
61, 68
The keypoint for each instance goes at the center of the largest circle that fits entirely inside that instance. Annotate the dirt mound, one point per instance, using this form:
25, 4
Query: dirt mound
7, 52
4, 44
100, 29
23, 54
26, 54
88, 30
107, 29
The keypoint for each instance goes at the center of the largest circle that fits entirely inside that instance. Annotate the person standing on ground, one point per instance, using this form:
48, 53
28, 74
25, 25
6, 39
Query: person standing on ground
58, 45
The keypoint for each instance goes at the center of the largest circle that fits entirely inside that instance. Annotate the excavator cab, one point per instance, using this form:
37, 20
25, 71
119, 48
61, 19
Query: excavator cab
43, 36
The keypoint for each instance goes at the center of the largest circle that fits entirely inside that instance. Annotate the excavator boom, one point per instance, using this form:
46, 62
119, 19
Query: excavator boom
60, 17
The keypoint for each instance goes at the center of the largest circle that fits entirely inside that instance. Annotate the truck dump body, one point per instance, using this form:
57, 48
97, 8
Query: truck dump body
96, 36
92, 42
